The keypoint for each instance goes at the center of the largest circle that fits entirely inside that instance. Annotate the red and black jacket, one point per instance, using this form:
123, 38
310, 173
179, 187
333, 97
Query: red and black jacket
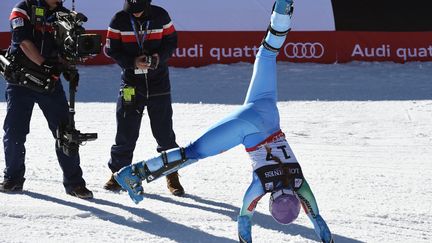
123, 46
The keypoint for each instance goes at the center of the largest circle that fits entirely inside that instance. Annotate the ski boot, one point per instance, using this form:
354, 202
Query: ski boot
280, 25
130, 178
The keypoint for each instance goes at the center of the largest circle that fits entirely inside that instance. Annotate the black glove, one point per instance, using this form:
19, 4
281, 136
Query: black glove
72, 76
152, 61
52, 68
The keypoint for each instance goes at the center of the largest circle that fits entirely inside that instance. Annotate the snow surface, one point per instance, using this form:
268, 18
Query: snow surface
227, 84
362, 132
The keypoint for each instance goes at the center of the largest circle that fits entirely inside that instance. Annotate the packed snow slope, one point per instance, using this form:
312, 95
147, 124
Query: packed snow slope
361, 131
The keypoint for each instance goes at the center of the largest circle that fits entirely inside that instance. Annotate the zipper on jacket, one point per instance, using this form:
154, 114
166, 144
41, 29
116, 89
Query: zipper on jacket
141, 53
147, 86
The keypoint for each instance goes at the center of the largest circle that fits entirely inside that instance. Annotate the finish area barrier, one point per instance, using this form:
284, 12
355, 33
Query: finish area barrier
199, 48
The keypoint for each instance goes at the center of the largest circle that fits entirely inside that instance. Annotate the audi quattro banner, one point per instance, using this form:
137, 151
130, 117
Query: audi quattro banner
199, 48
324, 31
384, 30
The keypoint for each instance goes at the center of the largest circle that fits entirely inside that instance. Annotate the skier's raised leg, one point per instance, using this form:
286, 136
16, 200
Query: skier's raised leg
263, 84
130, 177
224, 135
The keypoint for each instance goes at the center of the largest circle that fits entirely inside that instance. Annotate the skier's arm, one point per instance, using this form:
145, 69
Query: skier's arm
114, 46
311, 209
244, 221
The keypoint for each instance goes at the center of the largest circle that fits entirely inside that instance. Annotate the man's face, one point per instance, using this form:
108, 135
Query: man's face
52, 3
137, 15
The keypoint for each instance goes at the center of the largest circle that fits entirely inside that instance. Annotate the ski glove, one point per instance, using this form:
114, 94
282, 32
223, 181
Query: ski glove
244, 229
322, 229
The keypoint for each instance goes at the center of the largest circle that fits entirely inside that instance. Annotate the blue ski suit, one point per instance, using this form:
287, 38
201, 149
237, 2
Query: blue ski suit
256, 125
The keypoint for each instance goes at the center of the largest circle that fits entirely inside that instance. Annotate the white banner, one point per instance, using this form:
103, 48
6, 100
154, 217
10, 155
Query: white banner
204, 15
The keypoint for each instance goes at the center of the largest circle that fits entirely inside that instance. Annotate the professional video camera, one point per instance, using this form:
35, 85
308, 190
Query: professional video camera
74, 46
72, 39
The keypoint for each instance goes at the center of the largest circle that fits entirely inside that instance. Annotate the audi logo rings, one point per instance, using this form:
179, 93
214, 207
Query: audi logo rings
305, 50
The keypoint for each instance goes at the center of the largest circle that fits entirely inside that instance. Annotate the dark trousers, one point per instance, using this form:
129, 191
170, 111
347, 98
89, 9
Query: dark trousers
20, 103
128, 126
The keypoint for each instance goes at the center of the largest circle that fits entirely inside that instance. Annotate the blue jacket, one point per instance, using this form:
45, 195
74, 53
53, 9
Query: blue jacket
123, 46
41, 35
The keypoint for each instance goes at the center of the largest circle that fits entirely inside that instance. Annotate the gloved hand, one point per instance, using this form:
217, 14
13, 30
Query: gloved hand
71, 75
130, 178
154, 61
147, 62
52, 68
244, 224
322, 229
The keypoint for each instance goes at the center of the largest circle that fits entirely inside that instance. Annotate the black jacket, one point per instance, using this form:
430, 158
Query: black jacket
41, 35
160, 37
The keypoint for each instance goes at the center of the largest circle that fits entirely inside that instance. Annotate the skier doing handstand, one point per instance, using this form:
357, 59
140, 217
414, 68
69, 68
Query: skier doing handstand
256, 126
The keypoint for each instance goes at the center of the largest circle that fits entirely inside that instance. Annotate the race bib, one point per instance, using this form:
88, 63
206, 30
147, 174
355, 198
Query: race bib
17, 22
275, 177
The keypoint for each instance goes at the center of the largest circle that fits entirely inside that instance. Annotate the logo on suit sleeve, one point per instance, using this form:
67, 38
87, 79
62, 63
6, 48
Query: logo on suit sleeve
17, 22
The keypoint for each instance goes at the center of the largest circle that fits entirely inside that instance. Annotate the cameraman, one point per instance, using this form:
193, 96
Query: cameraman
141, 39
34, 41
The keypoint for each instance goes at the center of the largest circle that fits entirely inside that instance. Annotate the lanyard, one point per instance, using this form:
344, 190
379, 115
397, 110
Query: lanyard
137, 33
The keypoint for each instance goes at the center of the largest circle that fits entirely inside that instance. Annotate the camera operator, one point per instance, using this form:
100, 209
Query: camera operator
33, 40
141, 38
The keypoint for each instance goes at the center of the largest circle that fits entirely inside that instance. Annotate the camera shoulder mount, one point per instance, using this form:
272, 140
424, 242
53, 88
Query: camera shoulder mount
19, 70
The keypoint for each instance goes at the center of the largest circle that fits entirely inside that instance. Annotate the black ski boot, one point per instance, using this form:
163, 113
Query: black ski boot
81, 192
11, 186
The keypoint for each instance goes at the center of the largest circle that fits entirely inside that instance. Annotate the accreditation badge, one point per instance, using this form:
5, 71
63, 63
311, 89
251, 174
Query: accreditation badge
17, 22
141, 71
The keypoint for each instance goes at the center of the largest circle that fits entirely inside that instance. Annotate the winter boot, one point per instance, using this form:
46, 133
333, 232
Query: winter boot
173, 184
81, 192
11, 186
112, 185
283, 7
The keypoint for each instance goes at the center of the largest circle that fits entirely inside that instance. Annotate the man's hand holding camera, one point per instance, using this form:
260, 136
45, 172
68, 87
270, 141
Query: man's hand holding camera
54, 69
145, 62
